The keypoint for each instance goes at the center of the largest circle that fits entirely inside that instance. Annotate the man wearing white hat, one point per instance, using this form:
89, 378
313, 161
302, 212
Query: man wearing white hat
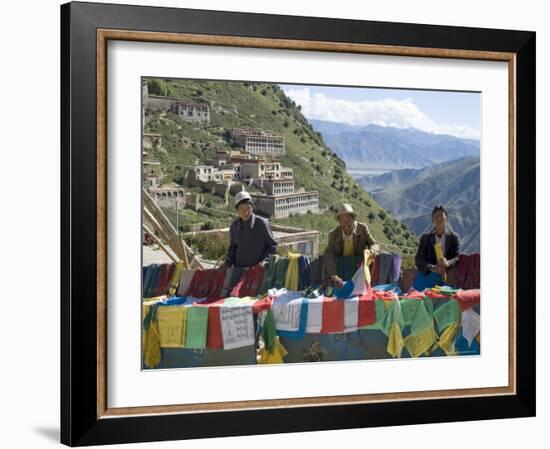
251, 238
349, 238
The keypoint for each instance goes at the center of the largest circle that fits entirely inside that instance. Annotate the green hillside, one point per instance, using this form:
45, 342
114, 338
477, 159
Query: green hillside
265, 106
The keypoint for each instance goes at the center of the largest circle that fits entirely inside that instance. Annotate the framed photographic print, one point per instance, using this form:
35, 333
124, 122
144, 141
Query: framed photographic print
275, 224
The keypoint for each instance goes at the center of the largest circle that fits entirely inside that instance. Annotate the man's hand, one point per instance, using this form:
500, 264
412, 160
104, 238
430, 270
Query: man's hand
443, 263
375, 249
337, 281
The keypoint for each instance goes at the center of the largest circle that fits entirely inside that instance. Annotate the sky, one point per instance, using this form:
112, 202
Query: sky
438, 112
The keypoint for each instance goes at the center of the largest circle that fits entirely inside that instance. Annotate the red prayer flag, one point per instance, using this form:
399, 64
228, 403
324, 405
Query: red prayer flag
333, 315
216, 285
381, 294
367, 311
472, 281
463, 266
249, 283
214, 339
262, 304
413, 294
195, 283
468, 298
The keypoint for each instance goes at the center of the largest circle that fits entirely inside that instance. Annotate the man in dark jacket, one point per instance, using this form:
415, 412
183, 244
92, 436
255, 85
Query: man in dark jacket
349, 238
251, 240
431, 269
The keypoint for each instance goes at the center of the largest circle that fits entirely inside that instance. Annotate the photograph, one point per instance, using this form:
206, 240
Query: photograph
296, 223
273, 223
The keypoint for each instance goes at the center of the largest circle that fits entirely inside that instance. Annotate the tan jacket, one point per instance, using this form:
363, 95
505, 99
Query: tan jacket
362, 240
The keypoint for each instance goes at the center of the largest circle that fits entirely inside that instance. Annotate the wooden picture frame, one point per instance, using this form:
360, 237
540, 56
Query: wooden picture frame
86, 29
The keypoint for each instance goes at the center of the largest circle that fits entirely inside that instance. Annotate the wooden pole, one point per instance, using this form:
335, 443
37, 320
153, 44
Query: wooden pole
159, 243
163, 220
185, 259
154, 214
157, 227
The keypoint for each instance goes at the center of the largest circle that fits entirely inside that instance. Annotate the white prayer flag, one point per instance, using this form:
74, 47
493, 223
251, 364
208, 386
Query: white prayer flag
237, 326
314, 315
351, 314
470, 325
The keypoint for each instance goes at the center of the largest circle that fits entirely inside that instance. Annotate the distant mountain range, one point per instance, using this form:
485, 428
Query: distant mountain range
379, 147
411, 194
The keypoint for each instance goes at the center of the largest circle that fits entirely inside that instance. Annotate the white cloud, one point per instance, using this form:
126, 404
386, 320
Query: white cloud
388, 112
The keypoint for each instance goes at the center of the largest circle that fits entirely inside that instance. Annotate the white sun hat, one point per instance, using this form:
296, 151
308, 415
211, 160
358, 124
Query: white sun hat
243, 195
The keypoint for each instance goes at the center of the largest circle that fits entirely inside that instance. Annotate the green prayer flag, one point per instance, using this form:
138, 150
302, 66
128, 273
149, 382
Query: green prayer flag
422, 320
398, 313
429, 306
446, 290
409, 308
380, 309
386, 321
447, 314
195, 332
269, 331
392, 314
269, 274
367, 327
280, 272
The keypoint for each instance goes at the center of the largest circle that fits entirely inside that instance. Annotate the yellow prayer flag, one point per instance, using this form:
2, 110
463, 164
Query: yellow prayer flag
151, 345
146, 305
421, 343
438, 251
447, 339
144, 310
292, 272
395, 340
171, 321
275, 356
439, 255
175, 279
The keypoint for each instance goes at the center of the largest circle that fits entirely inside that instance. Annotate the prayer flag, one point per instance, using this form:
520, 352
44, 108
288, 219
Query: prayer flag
171, 322
195, 332
395, 340
237, 326
333, 315
447, 339
470, 325
420, 343
447, 314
